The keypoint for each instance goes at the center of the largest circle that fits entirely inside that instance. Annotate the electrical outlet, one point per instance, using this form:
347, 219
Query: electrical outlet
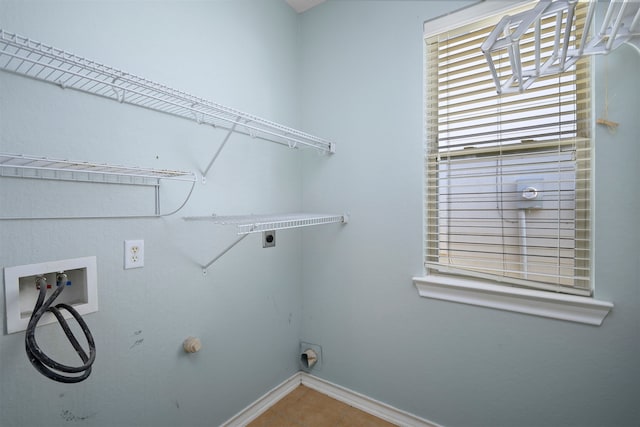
133, 254
268, 239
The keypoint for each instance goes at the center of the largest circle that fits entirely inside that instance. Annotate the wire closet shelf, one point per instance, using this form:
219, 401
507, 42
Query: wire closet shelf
247, 224
29, 58
22, 166
32, 167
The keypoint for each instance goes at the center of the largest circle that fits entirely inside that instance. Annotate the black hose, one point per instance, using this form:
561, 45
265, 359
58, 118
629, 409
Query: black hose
41, 361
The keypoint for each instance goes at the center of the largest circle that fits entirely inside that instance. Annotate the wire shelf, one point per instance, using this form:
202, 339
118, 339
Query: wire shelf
247, 224
21, 166
29, 58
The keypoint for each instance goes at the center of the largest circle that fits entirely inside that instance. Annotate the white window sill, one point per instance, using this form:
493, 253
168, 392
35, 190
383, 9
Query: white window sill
538, 303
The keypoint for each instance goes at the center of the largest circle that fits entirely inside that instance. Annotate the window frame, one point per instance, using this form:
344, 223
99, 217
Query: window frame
482, 291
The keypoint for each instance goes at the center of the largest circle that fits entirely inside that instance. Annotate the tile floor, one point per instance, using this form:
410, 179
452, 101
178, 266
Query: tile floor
305, 407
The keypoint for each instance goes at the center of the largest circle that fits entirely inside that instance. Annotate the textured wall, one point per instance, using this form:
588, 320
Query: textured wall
346, 70
453, 364
246, 310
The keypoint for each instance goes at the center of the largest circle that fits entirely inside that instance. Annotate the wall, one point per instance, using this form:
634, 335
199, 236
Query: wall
246, 310
358, 81
453, 364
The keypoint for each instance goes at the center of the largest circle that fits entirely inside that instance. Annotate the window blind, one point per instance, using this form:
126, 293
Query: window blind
508, 176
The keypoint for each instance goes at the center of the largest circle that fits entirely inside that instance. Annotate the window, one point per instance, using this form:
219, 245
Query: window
508, 176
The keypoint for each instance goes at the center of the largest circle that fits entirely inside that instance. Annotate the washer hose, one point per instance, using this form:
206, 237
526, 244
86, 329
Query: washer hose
41, 361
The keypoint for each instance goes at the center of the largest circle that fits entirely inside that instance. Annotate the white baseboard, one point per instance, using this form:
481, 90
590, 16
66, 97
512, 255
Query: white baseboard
352, 398
265, 402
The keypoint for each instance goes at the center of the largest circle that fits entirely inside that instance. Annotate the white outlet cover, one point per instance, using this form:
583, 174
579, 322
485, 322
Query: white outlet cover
133, 254
17, 320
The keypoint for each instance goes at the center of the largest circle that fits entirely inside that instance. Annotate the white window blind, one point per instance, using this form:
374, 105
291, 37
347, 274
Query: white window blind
507, 176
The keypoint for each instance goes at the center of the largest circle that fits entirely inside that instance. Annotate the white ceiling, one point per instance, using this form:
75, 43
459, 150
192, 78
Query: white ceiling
303, 5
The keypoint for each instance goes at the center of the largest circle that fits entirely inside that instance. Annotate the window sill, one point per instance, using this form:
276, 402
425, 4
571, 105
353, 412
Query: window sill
538, 303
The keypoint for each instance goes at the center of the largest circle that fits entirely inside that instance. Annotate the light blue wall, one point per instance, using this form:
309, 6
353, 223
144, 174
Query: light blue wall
346, 70
452, 364
246, 310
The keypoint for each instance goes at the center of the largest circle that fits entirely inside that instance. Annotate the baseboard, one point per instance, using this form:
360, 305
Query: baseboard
350, 397
265, 402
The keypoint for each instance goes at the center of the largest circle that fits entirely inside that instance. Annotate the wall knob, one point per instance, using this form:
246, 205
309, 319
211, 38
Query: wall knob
192, 345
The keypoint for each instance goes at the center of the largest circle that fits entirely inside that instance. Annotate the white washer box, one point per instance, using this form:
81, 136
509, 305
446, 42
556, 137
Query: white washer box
21, 293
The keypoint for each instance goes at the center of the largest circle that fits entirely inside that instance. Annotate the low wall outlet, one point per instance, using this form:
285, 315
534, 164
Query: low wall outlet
133, 254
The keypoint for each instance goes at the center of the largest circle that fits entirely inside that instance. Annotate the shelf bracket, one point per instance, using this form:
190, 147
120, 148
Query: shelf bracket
215, 156
119, 95
198, 118
238, 240
157, 200
292, 144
